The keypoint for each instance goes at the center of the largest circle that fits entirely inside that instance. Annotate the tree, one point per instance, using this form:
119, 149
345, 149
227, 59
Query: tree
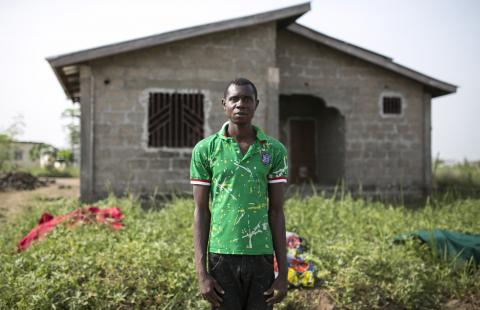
6, 142
5, 152
41, 149
73, 127
65, 155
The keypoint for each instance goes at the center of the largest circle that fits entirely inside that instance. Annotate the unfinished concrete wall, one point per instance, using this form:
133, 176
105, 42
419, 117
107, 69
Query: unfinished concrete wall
381, 153
87, 112
120, 159
19, 154
427, 143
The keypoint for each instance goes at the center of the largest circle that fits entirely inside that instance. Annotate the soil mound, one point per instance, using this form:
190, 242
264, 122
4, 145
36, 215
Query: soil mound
20, 181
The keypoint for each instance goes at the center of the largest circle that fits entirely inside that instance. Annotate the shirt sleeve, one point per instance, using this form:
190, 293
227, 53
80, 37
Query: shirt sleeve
200, 170
279, 170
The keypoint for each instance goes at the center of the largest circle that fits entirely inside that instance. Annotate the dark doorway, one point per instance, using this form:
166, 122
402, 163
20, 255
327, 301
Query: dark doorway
314, 135
302, 150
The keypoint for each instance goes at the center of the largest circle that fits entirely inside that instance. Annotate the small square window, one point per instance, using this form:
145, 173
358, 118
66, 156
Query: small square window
175, 119
392, 105
18, 155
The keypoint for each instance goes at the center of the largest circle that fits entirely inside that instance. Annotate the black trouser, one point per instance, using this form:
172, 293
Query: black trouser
244, 278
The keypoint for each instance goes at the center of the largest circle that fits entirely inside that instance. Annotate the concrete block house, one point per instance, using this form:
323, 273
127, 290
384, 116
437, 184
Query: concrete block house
343, 112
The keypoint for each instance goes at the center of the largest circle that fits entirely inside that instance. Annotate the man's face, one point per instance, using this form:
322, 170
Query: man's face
240, 104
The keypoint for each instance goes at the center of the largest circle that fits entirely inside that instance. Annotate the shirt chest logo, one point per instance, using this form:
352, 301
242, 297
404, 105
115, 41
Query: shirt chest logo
265, 158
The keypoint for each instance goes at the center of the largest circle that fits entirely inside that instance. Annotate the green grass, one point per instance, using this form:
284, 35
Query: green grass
68, 172
149, 262
459, 179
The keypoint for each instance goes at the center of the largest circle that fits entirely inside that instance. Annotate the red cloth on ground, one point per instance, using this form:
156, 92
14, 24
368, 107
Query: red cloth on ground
46, 223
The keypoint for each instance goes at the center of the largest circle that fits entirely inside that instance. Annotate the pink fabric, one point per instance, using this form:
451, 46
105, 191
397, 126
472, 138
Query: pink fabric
47, 222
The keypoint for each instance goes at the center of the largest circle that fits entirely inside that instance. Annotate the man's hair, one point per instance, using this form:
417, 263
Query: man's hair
240, 82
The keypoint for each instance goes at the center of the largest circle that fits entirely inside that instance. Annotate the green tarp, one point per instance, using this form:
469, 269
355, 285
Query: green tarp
448, 244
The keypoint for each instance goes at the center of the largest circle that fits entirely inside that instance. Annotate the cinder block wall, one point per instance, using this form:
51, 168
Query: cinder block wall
118, 158
382, 154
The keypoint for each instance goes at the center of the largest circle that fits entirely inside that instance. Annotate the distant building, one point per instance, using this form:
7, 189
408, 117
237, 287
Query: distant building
344, 112
20, 155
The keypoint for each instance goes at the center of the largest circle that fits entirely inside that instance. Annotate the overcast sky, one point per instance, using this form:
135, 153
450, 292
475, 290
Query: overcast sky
440, 38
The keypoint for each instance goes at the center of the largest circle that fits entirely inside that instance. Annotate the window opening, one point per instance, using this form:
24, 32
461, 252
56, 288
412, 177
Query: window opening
18, 155
392, 105
175, 119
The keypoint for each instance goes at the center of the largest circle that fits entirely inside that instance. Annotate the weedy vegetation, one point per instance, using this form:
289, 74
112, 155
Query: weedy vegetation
51, 172
460, 179
149, 262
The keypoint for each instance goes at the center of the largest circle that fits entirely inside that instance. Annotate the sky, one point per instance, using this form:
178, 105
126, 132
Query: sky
440, 38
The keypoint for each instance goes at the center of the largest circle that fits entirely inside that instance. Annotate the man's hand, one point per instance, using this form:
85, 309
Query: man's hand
211, 290
280, 287
276, 219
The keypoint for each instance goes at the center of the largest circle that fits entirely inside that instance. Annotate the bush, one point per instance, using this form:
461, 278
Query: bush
149, 262
459, 179
351, 241
68, 172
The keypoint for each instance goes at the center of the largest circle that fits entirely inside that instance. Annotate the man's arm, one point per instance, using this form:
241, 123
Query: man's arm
209, 288
276, 220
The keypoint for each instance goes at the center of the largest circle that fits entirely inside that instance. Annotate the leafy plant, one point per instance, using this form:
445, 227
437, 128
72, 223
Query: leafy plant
149, 262
41, 149
7, 138
65, 155
5, 152
459, 179
73, 128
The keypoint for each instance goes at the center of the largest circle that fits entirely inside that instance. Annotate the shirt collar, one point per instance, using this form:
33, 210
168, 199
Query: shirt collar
261, 136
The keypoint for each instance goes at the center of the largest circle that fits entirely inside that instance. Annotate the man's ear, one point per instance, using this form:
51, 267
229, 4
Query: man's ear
256, 103
223, 103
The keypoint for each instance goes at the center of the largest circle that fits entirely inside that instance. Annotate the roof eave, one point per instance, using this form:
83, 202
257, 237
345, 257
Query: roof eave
435, 86
282, 16
60, 80
289, 13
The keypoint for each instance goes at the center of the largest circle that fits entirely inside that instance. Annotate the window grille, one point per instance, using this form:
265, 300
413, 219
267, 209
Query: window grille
175, 119
392, 105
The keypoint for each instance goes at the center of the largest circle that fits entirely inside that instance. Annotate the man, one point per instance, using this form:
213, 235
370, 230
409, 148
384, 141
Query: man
243, 172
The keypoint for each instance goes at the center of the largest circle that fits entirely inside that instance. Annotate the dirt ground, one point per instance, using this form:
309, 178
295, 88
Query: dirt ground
12, 202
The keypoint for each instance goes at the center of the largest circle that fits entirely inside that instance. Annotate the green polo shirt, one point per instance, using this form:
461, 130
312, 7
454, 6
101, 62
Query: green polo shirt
239, 189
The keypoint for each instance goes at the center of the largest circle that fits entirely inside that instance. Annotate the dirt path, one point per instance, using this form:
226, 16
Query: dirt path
14, 201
